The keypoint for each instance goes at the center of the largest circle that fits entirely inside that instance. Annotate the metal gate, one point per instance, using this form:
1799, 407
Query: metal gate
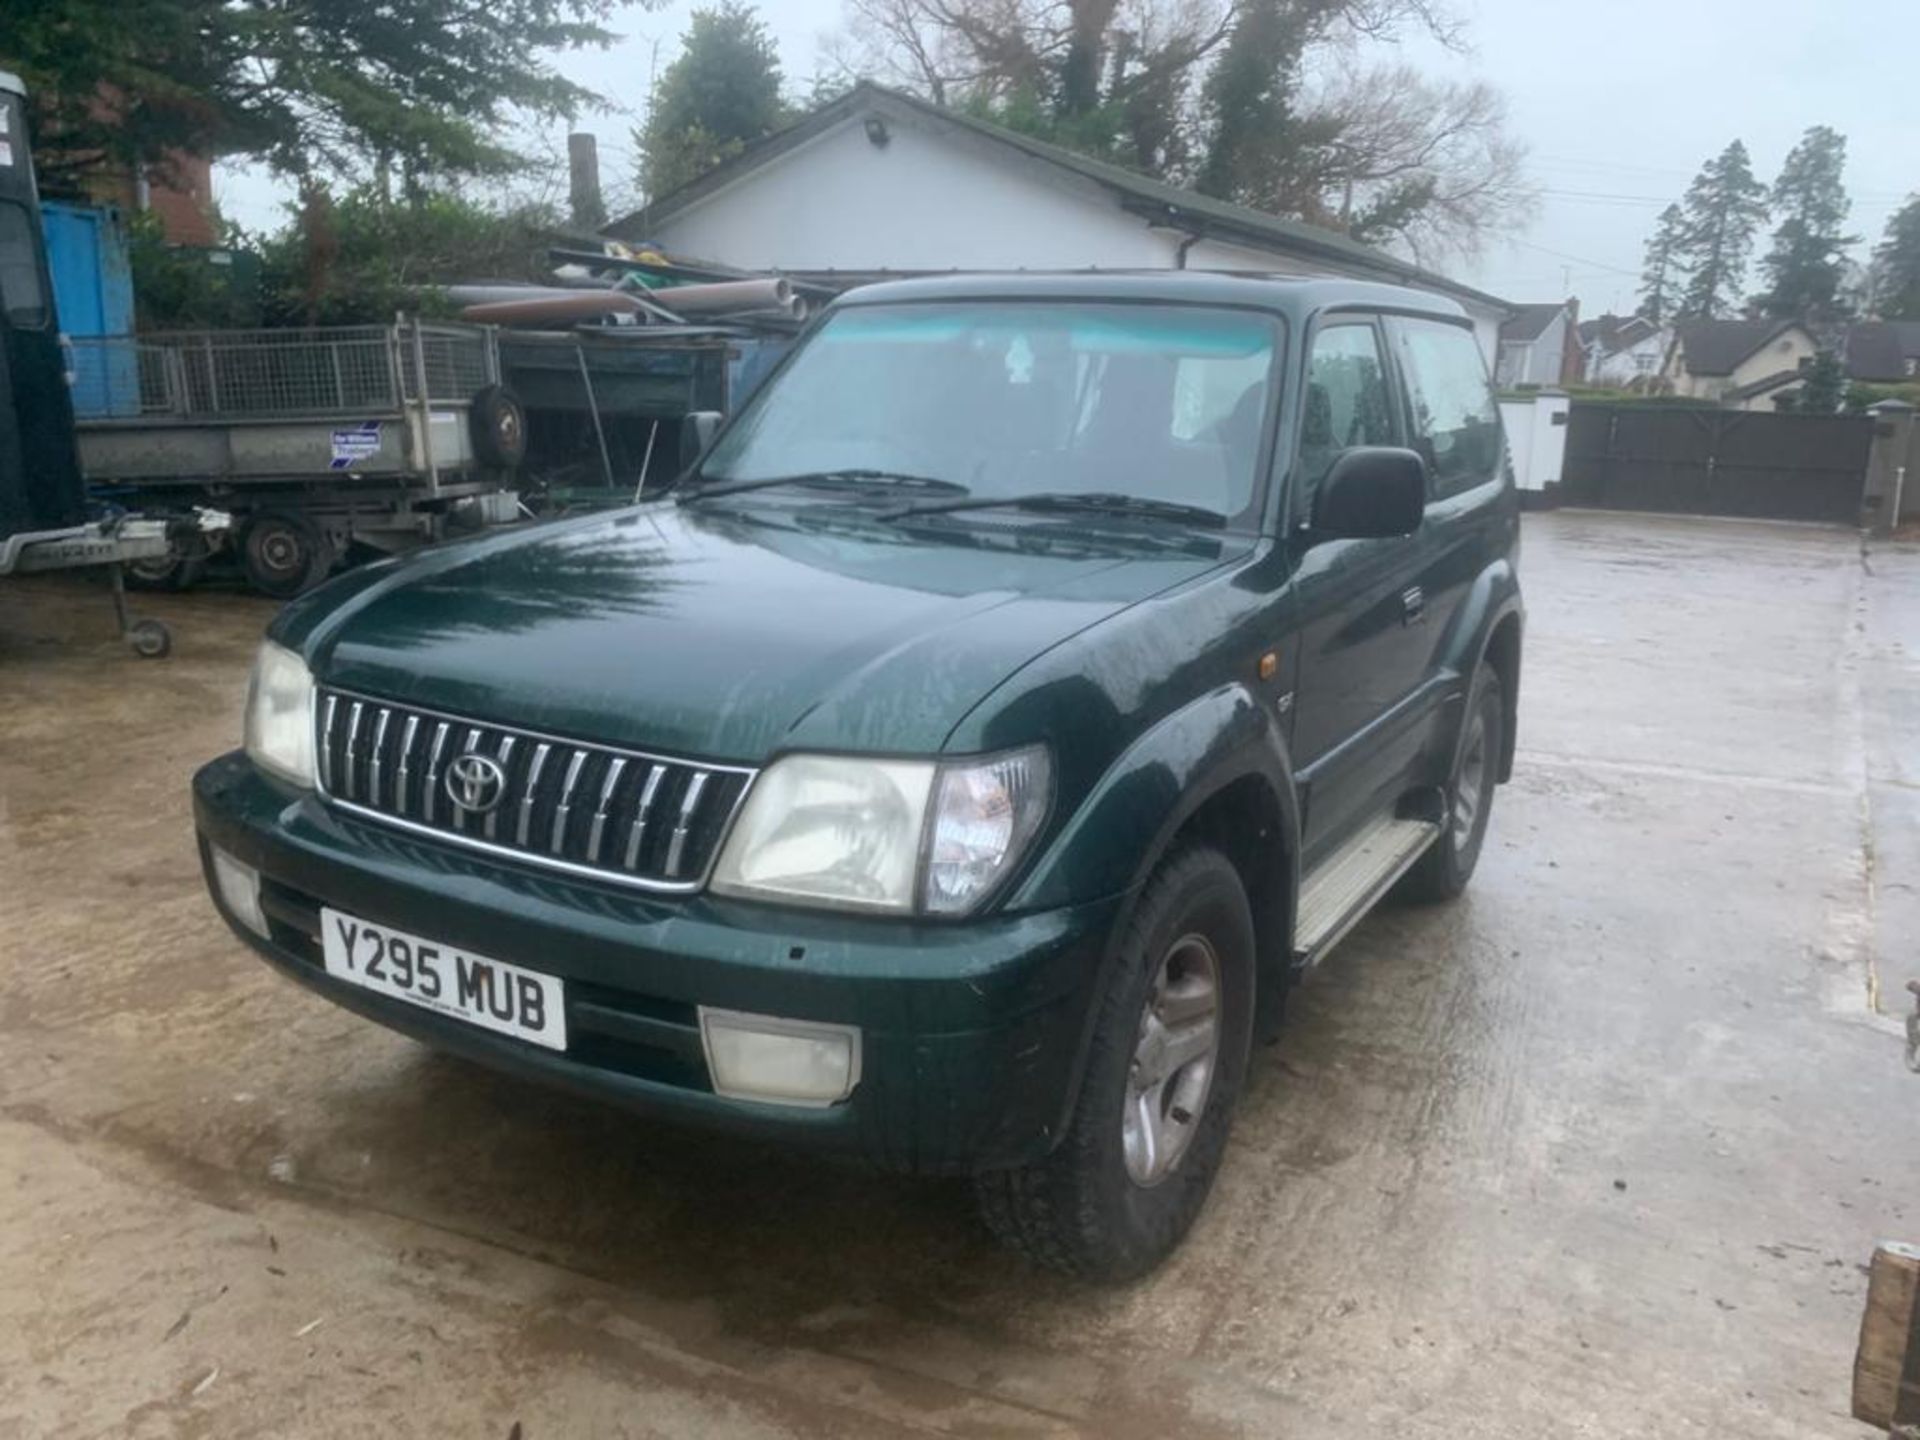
1717, 462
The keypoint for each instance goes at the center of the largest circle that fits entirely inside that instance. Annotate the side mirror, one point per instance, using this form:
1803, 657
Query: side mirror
1371, 493
697, 429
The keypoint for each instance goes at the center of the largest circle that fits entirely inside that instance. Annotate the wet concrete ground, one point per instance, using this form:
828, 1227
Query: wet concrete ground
1596, 1151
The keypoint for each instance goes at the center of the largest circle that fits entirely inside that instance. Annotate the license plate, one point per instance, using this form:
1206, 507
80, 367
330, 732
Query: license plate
490, 993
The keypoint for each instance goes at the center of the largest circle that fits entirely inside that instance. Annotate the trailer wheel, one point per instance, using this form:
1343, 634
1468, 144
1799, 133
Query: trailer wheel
179, 569
284, 555
499, 427
150, 639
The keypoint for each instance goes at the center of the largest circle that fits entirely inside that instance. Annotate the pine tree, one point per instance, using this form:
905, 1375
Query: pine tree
1254, 141
1805, 266
1824, 390
1661, 278
1723, 207
720, 94
1896, 265
425, 89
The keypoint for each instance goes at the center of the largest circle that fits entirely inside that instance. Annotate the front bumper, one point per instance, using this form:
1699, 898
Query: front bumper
972, 1034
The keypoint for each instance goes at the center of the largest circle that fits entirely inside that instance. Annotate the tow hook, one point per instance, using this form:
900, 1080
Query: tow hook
1913, 1029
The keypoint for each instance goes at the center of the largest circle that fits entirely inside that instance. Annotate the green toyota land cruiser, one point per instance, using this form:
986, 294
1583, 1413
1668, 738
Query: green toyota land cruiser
954, 768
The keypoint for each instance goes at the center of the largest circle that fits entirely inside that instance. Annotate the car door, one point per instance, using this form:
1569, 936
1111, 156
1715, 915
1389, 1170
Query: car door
1357, 664
1454, 422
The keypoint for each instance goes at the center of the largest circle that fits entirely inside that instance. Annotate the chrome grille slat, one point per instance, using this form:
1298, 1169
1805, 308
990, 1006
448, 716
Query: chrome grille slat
600, 811
353, 743
599, 830
406, 764
505, 756
564, 810
430, 792
379, 747
695, 787
638, 831
327, 716
539, 763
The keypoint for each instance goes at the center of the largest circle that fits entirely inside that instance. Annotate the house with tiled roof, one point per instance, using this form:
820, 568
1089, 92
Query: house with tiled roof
1761, 364
1743, 364
1623, 351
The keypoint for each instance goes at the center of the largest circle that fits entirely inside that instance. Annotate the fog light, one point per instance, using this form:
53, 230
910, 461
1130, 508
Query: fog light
239, 885
789, 1062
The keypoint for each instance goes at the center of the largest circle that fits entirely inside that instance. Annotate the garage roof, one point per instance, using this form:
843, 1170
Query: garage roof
1151, 199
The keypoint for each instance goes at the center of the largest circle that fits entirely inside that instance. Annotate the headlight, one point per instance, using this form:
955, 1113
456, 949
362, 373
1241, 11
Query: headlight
280, 715
857, 834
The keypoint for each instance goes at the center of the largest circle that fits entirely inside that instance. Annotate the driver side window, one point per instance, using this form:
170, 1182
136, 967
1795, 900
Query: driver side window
1347, 402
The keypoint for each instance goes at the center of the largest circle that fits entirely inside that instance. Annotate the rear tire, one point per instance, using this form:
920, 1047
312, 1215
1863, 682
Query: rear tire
1124, 1185
284, 554
1443, 872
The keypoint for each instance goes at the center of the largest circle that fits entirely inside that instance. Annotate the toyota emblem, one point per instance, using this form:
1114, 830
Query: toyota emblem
475, 782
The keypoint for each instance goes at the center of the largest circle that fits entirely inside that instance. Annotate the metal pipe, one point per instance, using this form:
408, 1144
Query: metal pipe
653, 433
564, 305
593, 409
426, 408
773, 292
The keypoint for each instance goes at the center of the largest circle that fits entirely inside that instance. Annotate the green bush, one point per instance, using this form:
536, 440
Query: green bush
1861, 397
190, 287
361, 258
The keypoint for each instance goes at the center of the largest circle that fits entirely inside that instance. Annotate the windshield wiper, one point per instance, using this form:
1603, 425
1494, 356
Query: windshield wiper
1066, 502
824, 479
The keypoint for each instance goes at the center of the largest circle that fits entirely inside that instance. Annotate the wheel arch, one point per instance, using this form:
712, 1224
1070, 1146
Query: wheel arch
1215, 772
1501, 651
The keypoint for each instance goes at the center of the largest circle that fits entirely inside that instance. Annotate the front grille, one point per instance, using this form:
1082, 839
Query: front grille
640, 819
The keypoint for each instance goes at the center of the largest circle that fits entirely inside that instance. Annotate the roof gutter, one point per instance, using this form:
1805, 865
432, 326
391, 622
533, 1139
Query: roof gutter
1199, 226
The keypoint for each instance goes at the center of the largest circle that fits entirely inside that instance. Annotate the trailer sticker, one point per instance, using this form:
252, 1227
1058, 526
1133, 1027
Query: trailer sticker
360, 443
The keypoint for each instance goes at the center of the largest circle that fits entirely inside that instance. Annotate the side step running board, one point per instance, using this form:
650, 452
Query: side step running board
1347, 883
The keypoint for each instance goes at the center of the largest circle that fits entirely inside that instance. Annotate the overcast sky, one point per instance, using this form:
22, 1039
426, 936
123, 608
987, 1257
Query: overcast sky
1618, 102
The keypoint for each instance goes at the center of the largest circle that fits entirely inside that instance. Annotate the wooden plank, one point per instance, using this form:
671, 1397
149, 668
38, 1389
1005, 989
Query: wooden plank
1886, 1368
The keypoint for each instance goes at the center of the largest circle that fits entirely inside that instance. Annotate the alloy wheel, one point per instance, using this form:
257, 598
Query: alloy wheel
1470, 786
1173, 1061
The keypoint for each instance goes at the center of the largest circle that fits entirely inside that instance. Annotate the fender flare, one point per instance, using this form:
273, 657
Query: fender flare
1155, 787
1493, 597
1509, 607
1122, 827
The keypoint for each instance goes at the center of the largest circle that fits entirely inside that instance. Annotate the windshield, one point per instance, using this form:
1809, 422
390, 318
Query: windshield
1160, 403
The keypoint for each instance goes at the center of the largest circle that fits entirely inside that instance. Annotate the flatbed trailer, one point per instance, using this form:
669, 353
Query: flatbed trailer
385, 436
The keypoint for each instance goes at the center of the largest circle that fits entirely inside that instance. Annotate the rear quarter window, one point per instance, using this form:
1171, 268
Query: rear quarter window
1455, 422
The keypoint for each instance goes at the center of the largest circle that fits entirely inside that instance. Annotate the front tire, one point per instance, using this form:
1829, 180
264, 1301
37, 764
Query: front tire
1169, 1055
1443, 872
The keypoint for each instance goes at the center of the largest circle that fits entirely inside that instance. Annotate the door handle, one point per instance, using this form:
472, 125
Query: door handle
1413, 604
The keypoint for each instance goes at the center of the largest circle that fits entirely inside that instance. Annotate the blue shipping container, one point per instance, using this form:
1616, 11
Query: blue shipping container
93, 292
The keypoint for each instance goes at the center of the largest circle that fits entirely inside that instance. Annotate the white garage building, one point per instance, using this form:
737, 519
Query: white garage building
882, 183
